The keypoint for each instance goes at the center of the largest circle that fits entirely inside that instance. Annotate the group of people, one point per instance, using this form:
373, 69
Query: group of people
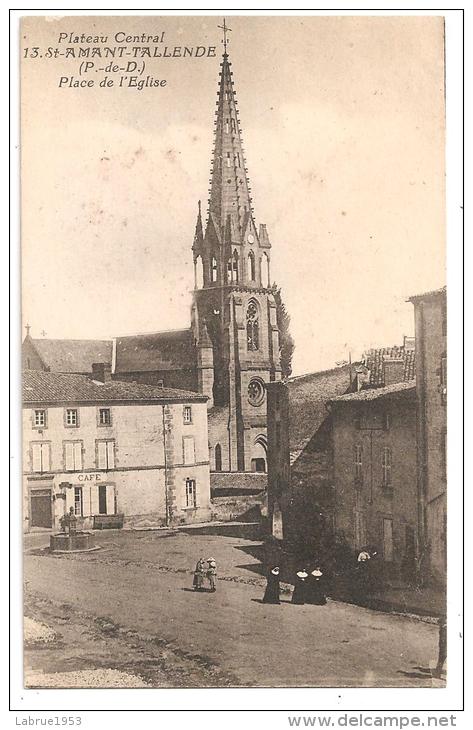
308, 587
206, 569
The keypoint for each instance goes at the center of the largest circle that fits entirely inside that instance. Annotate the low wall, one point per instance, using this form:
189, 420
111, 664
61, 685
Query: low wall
240, 508
227, 483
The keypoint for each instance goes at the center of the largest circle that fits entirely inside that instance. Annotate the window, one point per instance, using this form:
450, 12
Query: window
78, 501
188, 448
228, 159
213, 269
187, 414
251, 266
252, 326
218, 458
386, 467
40, 419
72, 455
227, 126
105, 454
256, 392
105, 417
232, 267
233, 125
72, 417
191, 493
237, 160
41, 457
358, 460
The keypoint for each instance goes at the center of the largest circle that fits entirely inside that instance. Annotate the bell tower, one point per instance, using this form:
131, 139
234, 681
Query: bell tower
234, 311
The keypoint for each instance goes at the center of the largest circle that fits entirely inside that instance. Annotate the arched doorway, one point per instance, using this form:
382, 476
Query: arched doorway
259, 454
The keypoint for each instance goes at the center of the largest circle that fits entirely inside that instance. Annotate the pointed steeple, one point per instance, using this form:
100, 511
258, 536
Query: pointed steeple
229, 185
197, 246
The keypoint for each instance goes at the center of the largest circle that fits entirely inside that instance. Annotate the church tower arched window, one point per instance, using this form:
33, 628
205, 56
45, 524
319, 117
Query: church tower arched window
251, 266
252, 326
213, 269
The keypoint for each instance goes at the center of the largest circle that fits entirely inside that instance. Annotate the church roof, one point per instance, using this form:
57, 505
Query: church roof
48, 388
169, 350
72, 356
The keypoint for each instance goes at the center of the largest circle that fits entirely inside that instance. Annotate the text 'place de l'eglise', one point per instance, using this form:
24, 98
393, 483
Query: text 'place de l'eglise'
203, 424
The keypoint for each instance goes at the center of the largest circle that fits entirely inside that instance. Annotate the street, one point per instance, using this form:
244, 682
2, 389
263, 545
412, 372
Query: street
130, 605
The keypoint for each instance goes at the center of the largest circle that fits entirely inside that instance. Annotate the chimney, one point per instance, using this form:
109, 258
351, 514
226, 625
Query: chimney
393, 370
101, 371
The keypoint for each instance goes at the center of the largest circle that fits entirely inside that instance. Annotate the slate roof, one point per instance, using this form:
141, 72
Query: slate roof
308, 395
49, 388
370, 394
72, 356
170, 350
374, 359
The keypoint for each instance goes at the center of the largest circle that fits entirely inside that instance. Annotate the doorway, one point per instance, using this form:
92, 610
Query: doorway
41, 512
102, 499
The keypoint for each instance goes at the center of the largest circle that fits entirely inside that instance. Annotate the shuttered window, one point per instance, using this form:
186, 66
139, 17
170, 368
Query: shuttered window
106, 454
73, 455
189, 450
41, 457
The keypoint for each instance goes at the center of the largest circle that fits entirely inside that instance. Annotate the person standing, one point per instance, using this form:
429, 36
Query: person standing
212, 574
315, 592
300, 586
199, 573
271, 594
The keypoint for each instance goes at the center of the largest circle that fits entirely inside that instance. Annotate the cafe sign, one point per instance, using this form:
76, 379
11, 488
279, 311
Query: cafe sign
92, 477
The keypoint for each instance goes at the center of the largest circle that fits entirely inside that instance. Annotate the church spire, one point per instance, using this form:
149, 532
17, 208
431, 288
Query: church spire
229, 185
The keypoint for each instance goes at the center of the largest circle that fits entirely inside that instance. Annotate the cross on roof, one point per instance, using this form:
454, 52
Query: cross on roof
225, 29
27, 327
43, 333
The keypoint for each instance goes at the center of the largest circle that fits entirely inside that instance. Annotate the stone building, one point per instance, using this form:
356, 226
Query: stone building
231, 348
300, 460
375, 474
110, 448
431, 357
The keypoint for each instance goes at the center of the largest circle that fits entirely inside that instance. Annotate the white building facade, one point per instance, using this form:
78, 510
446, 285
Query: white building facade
117, 453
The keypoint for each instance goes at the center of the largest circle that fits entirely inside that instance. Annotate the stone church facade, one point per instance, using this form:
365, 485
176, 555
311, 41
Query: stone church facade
232, 346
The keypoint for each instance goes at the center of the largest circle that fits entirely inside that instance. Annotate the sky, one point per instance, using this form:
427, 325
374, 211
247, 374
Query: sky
343, 129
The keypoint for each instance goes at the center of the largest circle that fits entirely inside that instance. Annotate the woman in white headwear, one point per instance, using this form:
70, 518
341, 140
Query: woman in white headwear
271, 594
300, 586
315, 592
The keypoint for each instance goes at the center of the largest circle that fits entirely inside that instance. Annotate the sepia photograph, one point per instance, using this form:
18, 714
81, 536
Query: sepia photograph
233, 351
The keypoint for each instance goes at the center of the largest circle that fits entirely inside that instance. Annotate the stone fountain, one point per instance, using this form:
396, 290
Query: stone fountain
72, 540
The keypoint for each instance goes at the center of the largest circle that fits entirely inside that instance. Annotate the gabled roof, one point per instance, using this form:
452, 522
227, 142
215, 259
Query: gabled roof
72, 356
370, 394
308, 395
39, 387
170, 350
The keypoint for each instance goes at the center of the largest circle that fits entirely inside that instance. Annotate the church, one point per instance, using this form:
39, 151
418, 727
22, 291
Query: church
231, 348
